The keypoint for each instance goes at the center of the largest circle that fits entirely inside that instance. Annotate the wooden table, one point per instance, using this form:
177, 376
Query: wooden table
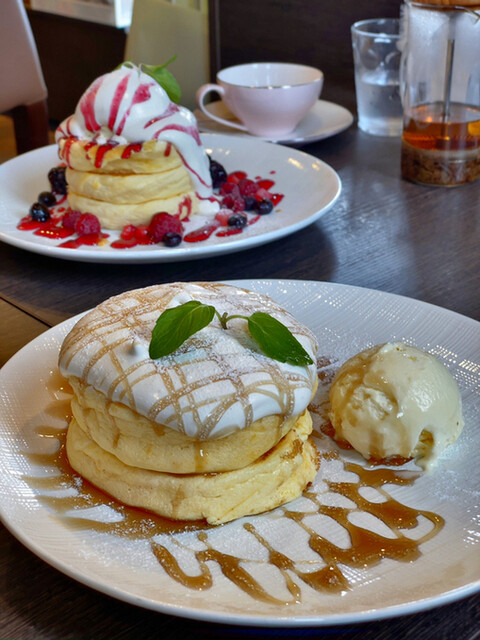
383, 233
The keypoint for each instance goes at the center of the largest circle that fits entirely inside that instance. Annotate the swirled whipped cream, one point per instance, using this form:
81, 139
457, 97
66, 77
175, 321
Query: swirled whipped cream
216, 383
127, 106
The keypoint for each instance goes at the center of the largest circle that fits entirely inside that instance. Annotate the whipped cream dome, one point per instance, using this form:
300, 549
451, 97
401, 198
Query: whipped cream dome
127, 106
216, 383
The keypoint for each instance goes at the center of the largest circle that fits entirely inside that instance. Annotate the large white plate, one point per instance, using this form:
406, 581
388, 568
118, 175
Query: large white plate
325, 119
310, 188
345, 319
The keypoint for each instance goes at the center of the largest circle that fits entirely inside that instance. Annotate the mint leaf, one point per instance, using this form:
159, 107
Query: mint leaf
165, 79
176, 325
276, 341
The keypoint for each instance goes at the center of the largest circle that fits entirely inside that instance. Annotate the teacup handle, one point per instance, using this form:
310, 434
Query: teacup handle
200, 96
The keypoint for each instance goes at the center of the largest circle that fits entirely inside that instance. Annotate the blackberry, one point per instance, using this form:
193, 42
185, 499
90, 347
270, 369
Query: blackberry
262, 207
218, 173
237, 220
249, 202
172, 239
57, 180
39, 212
47, 198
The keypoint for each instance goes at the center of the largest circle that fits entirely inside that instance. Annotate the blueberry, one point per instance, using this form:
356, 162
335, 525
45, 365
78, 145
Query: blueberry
57, 180
237, 220
39, 212
262, 207
47, 198
218, 173
171, 239
249, 203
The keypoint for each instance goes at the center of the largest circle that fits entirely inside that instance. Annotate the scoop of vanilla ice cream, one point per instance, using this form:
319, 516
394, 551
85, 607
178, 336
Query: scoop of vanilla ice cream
394, 400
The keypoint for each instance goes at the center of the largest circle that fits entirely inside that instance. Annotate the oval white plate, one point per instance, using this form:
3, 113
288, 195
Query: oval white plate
345, 319
310, 188
325, 119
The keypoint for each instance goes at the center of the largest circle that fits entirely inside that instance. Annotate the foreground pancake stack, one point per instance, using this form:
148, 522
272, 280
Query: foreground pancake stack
131, 152
216, 430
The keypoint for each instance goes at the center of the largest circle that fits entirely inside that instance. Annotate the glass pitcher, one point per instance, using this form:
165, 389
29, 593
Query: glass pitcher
440, 76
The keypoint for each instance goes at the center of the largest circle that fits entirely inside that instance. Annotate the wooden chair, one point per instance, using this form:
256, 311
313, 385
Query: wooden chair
23, 93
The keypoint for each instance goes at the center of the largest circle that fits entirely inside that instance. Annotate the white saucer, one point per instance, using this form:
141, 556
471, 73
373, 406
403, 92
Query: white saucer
325, 119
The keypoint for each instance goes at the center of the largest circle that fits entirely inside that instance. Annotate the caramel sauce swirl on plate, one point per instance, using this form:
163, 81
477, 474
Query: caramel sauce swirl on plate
338, 497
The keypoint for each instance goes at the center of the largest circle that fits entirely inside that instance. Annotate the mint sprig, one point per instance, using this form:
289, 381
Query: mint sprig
176, 325
163, 76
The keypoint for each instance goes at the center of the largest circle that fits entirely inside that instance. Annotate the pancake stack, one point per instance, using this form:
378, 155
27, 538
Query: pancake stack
130, 153
216, 430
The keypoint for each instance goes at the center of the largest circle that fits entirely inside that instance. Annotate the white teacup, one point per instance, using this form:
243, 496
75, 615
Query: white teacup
269, 98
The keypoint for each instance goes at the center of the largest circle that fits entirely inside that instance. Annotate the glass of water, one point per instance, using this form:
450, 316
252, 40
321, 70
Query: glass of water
376, 56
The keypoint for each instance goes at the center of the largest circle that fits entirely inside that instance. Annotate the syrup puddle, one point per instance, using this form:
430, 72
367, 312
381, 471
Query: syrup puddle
338, 498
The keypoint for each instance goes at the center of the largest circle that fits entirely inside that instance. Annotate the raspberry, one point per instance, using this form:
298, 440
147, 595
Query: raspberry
233, 203
70, 218
229, 188
263, 194
128, 232
87, 224
163, 223
247, 187
223, 216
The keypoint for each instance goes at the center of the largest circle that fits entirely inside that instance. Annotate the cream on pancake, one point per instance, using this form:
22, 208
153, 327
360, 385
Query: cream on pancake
146, 151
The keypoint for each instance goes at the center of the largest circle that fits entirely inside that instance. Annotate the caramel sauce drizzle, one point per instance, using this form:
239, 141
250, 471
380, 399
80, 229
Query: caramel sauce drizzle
367, 548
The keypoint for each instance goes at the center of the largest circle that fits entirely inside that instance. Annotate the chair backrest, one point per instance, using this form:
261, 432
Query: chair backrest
21, 77
161, 30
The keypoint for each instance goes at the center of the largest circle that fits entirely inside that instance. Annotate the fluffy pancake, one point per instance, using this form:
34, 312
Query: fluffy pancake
116, 216
214, 430
137, 441
274, 479
129, 189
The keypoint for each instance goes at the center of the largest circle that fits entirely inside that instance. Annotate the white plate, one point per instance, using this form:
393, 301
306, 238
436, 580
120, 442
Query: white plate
310, 188
345, 319
325, 119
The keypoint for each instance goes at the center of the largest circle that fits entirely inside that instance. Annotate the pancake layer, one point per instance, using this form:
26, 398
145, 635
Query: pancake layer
123, 187
138, 441
274, 479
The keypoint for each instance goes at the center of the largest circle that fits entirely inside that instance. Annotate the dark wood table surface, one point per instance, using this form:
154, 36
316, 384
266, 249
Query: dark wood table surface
383, 233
